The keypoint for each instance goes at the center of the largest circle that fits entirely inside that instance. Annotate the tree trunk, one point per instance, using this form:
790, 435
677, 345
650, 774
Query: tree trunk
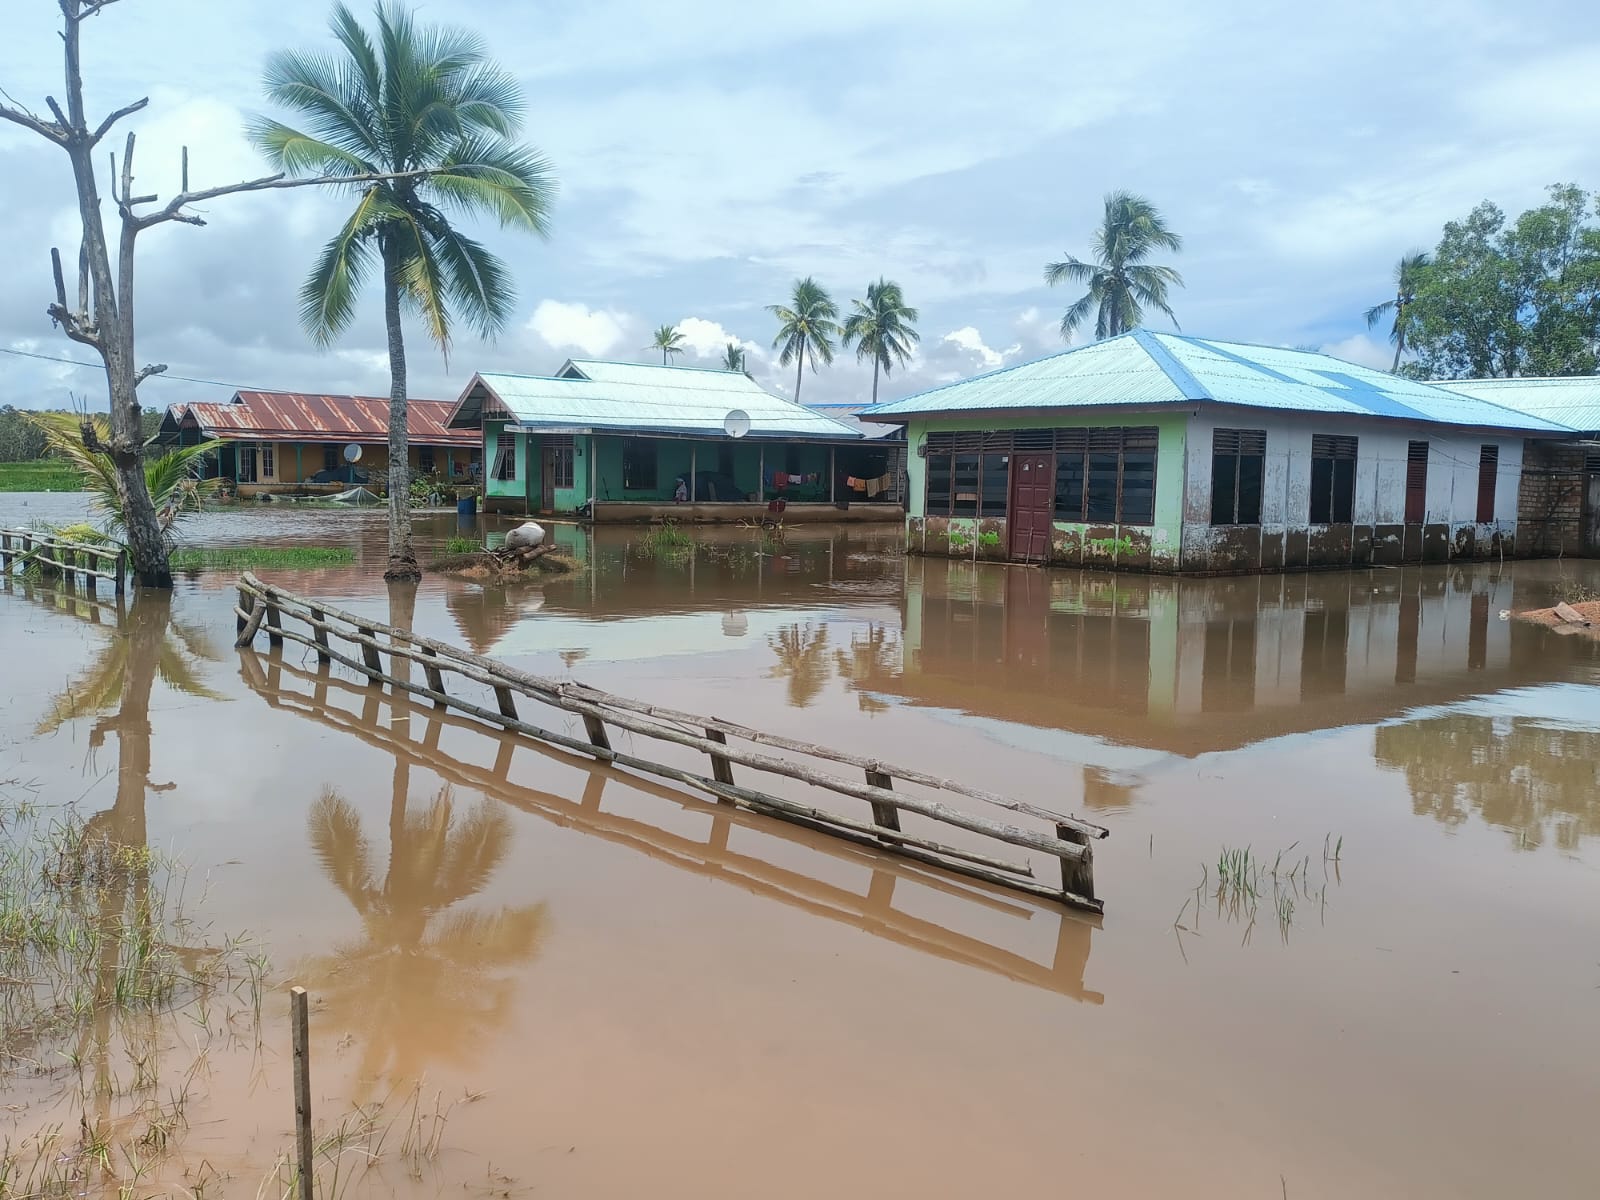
113, 320
402, 557
874, 378
1399, 348
799, 370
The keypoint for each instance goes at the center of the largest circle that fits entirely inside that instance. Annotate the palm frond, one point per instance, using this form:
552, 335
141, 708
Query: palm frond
423, 287
1378, 311
511, 183
1070, 270
328, 94
290, 150
328, 296
476, 282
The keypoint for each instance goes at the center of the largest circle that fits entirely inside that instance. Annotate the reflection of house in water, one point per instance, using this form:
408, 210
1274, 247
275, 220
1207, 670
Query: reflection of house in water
1192, 666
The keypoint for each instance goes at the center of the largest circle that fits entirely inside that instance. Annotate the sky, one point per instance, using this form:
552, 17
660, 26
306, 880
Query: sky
710, 152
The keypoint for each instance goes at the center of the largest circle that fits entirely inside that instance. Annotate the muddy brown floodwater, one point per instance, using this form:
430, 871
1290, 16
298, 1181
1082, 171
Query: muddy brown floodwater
628, 991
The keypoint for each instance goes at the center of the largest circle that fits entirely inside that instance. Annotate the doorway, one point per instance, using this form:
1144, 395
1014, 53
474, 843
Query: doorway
1033, 504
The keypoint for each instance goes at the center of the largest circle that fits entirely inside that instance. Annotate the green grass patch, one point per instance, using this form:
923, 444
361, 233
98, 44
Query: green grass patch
44, 475
463, 545
232, 557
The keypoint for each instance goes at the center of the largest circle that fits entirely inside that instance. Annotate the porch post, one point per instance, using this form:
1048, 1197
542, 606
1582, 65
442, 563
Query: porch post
299, 470
761, 472
831, 475
694, 495
594, 472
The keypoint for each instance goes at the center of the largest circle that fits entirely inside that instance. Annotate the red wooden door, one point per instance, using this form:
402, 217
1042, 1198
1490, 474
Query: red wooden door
1033, 506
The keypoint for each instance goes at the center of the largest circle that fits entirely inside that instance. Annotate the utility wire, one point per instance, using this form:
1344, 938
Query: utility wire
72, 362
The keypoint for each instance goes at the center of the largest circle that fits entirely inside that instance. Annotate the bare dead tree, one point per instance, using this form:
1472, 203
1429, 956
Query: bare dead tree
101, 313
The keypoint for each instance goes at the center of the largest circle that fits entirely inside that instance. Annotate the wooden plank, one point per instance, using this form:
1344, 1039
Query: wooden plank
1077, 876
721, 768
886, 815
300, 1038
507, 702
321, 636
435, 676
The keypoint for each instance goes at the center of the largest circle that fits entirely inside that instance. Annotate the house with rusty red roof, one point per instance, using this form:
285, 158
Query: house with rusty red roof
296, 441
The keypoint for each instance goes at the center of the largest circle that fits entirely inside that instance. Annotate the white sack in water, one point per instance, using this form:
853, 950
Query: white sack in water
525, 536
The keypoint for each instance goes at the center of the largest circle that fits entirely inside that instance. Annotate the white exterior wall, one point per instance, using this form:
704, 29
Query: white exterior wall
1380, 489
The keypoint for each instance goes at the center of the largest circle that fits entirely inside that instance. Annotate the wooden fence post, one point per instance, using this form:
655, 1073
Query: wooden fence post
249, 626
596, 729
122, 570
300, 1025
721, 768
507, 702
435, 676
320, 636
1077, 878
5, 552
369, 655
886, 815
274, 625
247, 607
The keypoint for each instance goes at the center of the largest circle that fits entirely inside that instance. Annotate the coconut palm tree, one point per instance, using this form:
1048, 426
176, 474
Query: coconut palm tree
416, 99
807, 326
881, 327
667, 340
733, 358
173, 480
1408, 275
1121, 283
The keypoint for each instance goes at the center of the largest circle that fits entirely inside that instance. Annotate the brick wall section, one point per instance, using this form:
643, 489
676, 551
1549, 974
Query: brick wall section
1550, 500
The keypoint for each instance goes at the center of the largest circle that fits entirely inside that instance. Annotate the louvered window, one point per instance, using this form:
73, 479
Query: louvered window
1102, 475
1238, 462
1488, 476
1416, 483
505, 459
1333, 479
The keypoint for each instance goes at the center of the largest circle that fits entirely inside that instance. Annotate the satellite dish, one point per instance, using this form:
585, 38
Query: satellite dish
352, 453
736, 424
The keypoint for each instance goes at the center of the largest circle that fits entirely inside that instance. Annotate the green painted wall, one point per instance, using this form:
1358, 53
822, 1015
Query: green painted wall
1170, 454
493, 431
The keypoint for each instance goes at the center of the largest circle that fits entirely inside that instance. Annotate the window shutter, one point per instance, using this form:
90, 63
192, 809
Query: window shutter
1488, 476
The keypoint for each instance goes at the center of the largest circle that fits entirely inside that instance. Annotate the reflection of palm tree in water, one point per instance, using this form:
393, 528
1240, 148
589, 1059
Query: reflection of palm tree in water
802, 660
422, 983
869, 660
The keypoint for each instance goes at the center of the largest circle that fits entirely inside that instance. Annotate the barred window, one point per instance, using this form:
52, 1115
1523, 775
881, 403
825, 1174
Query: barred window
505, 459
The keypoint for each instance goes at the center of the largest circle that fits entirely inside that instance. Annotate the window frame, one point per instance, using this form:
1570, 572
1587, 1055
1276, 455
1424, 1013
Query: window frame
1488, 472
563, 467
1334, 450
1238, 446
632, 449
504, 469
269, 461
425, 460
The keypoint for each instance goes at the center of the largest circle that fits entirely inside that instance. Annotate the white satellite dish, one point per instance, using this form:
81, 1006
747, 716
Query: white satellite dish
736, 424
352, 453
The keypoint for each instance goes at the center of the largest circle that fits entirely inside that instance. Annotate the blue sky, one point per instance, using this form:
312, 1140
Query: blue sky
709, 152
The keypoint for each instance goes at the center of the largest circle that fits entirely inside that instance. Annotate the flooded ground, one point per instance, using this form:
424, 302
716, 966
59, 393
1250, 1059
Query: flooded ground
628, 991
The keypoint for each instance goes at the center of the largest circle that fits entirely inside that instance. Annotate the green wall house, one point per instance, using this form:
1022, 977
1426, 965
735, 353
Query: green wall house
1166, 453
630, 442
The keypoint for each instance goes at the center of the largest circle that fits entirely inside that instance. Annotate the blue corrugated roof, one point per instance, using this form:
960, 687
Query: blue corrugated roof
1572, 400
1144, 369
641, 398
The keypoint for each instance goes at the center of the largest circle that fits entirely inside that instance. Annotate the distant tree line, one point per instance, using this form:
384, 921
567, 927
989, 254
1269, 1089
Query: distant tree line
22, 440
1501, 297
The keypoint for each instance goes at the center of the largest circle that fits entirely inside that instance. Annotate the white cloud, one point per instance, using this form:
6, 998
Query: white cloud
1362, 350
575, 326
969, 339
708, 339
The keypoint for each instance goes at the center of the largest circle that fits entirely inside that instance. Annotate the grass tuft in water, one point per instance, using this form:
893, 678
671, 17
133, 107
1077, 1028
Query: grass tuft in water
1246, 882
463, 545
236, 557
666, 540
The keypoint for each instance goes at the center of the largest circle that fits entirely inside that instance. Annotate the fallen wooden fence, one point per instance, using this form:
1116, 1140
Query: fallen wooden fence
265, 606
57, 556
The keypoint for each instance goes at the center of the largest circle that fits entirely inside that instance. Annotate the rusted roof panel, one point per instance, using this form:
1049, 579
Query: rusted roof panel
302, 417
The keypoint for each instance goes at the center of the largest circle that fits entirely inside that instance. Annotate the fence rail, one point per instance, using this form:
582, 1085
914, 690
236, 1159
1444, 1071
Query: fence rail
265, 607
56, 556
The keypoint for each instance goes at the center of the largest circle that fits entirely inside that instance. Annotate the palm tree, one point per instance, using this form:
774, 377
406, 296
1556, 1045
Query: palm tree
881, 328
806, 328
173, 480
667, 340
1121, 283
422, 100
733, 358
1408, 276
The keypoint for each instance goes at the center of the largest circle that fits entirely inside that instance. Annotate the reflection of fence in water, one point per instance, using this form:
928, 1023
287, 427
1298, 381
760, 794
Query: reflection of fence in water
725, 743
872, 912
55, 556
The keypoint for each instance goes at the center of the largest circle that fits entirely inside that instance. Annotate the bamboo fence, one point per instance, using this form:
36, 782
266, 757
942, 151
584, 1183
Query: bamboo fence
56, 556
264, 606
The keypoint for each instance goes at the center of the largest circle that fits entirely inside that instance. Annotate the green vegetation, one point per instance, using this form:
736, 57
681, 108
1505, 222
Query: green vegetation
882, 327
172, 479
807, 326
1408, 276
1245, 882
989, 538
733, 358
416, 97
238, 557
666, 540
45, 475
1502, 298
463, 545
667, 340
1121, 283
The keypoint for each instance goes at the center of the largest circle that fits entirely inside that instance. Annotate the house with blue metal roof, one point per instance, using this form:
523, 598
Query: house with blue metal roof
1164, 452
629, 442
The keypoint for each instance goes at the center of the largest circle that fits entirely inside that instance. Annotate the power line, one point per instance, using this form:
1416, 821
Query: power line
72, 362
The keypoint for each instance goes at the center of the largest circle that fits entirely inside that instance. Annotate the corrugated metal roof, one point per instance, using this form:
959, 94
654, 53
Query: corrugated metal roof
1572, 400
850, 414
1144, 369
299, 416
638, 398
